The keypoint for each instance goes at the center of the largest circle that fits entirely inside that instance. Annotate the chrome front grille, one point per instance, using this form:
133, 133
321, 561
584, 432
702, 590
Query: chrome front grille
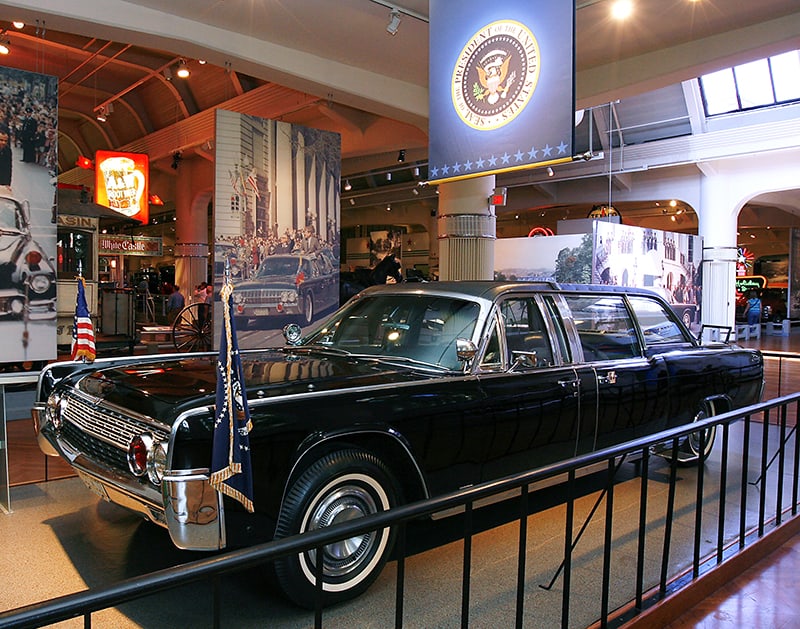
261, 295
103, 434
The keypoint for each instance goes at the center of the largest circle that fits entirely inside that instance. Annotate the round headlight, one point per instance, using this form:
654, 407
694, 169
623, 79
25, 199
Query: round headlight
40, 284
138, 451
157, 462
17, 306
53, 410
238, 298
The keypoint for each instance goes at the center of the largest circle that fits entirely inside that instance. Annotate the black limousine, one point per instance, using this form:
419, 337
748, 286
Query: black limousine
407, 391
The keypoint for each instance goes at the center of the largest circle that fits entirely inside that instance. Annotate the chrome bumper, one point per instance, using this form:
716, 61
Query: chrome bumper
186, 505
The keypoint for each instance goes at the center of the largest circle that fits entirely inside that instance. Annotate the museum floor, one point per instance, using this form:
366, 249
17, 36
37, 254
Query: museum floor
42, 559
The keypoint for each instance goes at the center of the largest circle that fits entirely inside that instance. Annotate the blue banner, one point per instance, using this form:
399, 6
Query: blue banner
231, 470
502, 93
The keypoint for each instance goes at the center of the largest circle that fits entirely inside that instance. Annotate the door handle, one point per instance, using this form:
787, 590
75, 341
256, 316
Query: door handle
570, 384
609, 378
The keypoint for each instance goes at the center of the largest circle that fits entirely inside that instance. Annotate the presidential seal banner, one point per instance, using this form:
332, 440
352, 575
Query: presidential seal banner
502, 93
231, 471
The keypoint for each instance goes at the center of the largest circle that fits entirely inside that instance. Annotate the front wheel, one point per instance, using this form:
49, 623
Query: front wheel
307, 315
339, 487
698, 445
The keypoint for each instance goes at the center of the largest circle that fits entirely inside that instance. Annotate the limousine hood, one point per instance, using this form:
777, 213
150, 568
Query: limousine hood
166, 387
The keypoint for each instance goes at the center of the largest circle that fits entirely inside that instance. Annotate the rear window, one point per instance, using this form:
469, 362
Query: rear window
604, 326
657, 323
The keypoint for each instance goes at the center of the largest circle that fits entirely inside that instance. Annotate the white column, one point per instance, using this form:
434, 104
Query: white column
466, 229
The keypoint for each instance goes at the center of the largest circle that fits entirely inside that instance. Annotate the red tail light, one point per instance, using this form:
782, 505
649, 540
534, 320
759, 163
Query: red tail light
299, 278
33, 258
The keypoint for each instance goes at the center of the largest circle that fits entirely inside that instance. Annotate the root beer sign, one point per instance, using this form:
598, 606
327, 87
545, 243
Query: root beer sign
121, 183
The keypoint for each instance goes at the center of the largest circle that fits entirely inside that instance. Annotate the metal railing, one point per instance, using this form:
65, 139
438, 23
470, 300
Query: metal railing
757, 453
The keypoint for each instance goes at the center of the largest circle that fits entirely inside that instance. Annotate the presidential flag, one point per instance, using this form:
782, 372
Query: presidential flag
82, 330
231, 472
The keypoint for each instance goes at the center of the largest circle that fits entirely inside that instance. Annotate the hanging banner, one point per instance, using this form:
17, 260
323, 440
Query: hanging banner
121, 183
502, 93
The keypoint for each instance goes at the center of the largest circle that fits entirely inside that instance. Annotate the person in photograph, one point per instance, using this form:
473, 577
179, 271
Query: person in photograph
28, 137
5, 160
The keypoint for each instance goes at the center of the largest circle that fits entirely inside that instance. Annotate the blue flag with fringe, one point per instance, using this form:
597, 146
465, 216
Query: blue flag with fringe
231, 470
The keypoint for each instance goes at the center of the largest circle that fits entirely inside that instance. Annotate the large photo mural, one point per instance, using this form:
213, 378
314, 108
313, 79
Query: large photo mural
667, 263
276, 224
28, 151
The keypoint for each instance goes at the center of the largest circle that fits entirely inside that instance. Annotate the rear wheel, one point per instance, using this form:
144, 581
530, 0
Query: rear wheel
339, 487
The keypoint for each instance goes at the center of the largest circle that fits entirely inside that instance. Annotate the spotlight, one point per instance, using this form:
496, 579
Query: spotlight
416, 171
550, 172
347, 185
388, 176
183, 70
388, 208
84, 162
352, 201
101, 114
401, 156
176, 160
5, 47
415, 192
394, 22
18, 25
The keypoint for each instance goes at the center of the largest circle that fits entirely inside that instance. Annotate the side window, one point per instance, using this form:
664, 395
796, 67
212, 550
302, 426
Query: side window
658, 324
526, 335
604, 327
492, 358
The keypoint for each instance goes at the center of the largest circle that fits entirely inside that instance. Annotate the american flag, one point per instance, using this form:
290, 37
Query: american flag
82, 329
252, 181
231, 471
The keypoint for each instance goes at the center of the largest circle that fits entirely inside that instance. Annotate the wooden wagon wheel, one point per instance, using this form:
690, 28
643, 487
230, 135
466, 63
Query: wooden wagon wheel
193, 329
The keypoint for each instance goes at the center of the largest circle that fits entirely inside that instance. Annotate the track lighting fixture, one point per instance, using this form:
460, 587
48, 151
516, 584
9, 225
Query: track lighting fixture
5, 43
401, 156
388, 176
347, 185
101, 114
352, 201
183, 70
550, 172
176, 160
18, 25
394, 22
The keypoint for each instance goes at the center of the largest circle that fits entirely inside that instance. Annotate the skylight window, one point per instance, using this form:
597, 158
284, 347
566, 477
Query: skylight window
762, 83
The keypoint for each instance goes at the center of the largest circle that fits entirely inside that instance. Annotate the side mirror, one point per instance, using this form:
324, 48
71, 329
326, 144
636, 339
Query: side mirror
293, 333
465, 350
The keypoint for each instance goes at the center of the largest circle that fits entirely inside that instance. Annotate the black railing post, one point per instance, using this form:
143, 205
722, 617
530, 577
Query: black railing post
465, 578
645, 467
569, 522
607, 539
673, 473
744, 483
698, 506
521, 556
781, 466
796, 475
723, 492
400, 544
762, 495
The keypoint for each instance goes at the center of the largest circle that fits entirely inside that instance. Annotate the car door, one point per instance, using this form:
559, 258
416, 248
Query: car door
533, 395
631, 387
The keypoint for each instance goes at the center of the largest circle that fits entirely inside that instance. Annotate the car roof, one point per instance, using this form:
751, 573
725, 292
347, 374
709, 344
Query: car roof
489, 289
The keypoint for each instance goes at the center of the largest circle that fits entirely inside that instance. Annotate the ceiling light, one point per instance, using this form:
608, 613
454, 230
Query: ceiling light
347, 185
388, 176
101, 114
18, 25
394, 22
202, 62
401, 156
550, 172
621, 9
416, 171
352, 201
415, 192
388, 208
5, 46
183, 70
